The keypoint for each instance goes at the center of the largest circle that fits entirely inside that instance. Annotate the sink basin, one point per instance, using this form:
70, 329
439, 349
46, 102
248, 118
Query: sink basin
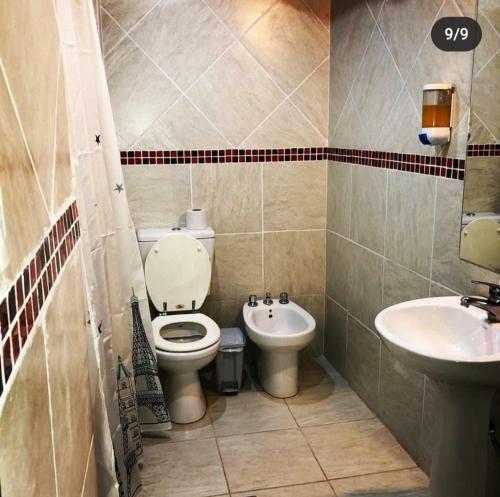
460, 351
443, 339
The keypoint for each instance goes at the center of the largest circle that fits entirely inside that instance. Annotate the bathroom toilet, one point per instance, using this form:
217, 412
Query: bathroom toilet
178, 268
280, 329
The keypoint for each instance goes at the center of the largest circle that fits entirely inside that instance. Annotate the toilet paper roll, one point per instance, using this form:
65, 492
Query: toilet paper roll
197, 219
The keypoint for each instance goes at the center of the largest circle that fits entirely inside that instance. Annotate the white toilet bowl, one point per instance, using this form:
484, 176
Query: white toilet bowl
280, 331
185, 343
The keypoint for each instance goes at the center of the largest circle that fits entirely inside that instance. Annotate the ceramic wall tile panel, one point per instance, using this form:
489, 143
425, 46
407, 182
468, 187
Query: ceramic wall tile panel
25, 423
66, 344
294, 196
41, 49
19, 193
231, 194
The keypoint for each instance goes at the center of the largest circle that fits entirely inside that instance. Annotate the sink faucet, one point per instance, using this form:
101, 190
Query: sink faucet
491, 304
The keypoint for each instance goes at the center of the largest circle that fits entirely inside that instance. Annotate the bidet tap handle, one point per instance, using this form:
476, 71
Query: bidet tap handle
267, 300
252, 301
284, 298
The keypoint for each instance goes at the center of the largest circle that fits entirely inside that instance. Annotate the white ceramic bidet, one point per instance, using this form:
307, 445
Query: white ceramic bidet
280, 330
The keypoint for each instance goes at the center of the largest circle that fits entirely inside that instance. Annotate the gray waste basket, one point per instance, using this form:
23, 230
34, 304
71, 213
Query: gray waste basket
230, 360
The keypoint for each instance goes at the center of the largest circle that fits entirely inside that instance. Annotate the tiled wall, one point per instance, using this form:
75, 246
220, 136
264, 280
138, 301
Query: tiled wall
46, 435
391, 235
218, 74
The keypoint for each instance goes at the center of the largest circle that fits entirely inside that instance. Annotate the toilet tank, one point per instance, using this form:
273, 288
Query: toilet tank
147, 237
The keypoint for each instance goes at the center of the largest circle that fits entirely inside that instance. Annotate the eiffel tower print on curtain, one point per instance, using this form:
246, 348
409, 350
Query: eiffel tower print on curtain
153, 413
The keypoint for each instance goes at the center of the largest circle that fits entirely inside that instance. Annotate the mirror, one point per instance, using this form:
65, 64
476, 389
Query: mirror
480, 235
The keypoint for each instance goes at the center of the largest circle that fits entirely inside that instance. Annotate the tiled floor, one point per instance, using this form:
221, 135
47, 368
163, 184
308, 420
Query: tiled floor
324, 442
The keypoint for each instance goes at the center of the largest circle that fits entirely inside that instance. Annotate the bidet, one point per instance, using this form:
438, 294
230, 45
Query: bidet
280, 330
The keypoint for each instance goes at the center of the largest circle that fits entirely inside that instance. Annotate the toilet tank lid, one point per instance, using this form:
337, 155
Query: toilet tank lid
155, 234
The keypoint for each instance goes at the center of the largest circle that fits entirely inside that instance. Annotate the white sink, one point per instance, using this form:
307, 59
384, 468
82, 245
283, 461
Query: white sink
458, 349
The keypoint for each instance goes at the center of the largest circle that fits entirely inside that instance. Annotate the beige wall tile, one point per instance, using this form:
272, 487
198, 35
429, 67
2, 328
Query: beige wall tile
226, 313
182, 127
270, 43
339, 197
237, 267
405, 33
158, 196
364, 299
335, 335
377, 86
349, 131
239, 15
139, 91
294, 196
90, 488
25, 59
26, 454
248, 95
285, 128
410, 209
232, 195
322, 9
111, 31
311, 97
19, 190
67, 365
368, 203
127, 12
294, 261
62, 170
338, 262
363, 359
188, 38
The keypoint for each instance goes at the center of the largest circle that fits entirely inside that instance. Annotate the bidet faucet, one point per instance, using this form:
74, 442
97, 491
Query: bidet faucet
252, 301
267, 300
491, 304
284, 298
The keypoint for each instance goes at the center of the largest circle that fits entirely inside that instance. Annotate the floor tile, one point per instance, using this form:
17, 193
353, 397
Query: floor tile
321, 489
408, 483
266, 460
327, 403
356, 448
183, 469
248, 412
202, 429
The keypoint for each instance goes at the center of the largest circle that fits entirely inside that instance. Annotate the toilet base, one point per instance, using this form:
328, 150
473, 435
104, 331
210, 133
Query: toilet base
279, 372
184, 395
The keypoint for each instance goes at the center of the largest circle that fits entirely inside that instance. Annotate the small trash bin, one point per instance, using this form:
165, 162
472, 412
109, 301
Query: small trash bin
229, 360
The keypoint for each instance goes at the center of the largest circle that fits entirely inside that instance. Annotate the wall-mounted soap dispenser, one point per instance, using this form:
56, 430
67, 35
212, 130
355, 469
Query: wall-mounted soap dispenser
437, 114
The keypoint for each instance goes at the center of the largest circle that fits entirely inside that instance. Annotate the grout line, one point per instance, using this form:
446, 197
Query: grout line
54, 147
263, 270
191, 184
433, 236
220, 457
486, 64
87, 466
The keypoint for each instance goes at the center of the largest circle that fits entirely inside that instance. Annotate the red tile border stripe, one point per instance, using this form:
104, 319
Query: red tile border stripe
26, 297
484, 150
421, 164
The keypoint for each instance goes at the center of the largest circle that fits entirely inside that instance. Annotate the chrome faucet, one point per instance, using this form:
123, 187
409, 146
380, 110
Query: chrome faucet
491, 304
267, 300
252, 301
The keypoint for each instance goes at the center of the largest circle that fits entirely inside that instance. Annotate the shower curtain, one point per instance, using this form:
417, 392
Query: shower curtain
127, 394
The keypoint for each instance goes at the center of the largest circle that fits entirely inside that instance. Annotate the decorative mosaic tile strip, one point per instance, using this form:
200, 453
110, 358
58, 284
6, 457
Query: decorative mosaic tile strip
25, 298
422, 164
146, 158
484, 150
445, 167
